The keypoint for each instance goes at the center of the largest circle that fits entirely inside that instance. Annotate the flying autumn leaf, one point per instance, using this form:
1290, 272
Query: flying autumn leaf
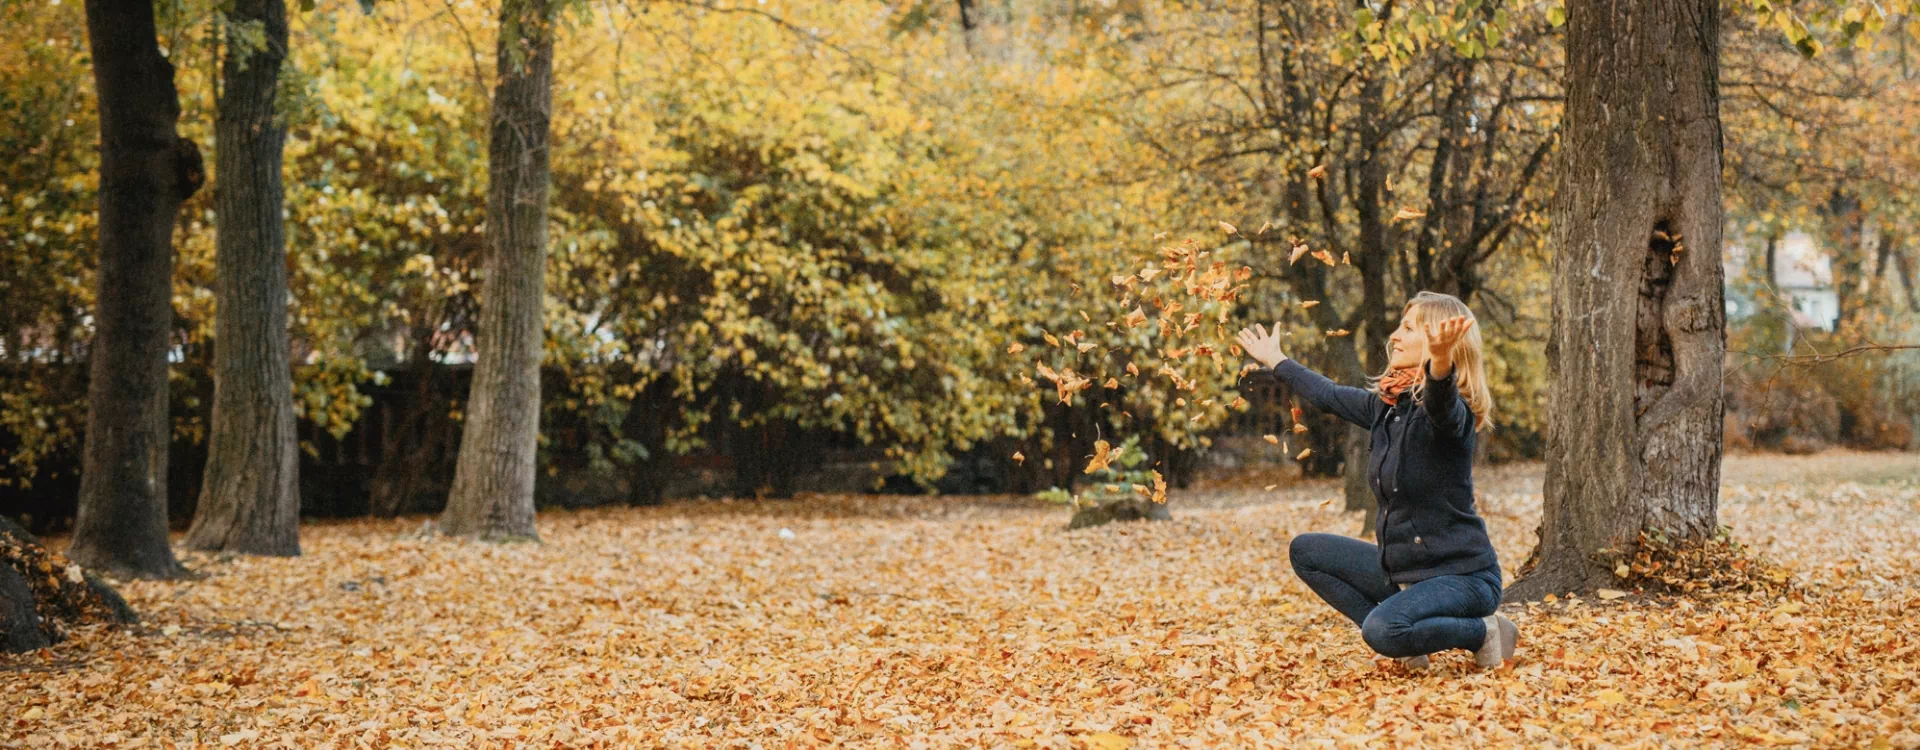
1084, 346
1299, 427
1264, 226
1309, 304
1111, 383
1406, 214
1304, 453
1016, 348
1318, 172
1102, 455
1018, 458
1323, 256
1338, 332
1298, 250
1136, 318
1051, 340
1273, 439
1159, 488
1228, 228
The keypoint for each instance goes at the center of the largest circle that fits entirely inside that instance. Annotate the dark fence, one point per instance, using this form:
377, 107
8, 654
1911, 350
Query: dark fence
399, 457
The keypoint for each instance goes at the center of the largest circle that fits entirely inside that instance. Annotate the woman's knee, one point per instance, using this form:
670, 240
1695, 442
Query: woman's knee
1310, 550
1387, 635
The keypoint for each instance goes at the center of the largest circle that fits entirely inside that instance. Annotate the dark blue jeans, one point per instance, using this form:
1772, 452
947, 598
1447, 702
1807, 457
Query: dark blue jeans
1430, 616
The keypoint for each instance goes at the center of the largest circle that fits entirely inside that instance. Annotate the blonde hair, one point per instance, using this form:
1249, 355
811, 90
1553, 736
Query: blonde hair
1469, 364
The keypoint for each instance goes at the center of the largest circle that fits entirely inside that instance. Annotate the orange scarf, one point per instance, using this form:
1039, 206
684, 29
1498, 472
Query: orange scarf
1396, 382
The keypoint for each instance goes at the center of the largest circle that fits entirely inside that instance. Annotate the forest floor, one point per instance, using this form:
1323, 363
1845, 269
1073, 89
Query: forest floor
899, 621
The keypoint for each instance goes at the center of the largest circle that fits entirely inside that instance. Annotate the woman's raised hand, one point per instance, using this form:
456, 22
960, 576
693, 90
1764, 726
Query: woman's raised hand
1261, 344
1441, 336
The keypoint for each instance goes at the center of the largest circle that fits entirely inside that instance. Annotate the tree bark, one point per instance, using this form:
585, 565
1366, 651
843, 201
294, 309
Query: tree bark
492, 494
250, 496
1639, 324
146, 171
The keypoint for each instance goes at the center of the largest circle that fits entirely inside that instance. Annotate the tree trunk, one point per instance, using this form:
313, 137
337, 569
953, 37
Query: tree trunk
1639, 324
250, 496
146, 172
492, 494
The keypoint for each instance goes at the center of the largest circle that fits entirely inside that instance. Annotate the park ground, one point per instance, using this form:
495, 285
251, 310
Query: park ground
900, 621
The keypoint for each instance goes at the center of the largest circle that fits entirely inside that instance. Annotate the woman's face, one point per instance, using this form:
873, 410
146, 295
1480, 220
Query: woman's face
1407, 347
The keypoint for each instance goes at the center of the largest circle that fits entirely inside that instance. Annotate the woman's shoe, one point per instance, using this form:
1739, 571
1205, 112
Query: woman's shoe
1502, 637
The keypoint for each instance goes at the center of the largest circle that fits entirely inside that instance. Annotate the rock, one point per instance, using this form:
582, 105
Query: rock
1123, 509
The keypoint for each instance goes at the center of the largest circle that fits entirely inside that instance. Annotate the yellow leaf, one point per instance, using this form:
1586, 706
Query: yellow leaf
1610, 698
1324, 257
1610, 594
1018, 458
1405, 214
1309, 304
1016, 348
1318, 172
1107, 741
1271, 439
1298, 427
1102, 455
1298, 250
1228, 228
1304, 453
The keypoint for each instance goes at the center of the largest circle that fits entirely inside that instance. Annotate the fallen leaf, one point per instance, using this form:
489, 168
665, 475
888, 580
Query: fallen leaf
1610, 594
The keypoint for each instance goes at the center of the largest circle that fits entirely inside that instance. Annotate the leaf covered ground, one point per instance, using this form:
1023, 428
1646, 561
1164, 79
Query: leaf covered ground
937, 622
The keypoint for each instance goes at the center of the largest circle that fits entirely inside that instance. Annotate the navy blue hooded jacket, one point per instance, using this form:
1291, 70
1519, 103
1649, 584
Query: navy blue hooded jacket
1420, 468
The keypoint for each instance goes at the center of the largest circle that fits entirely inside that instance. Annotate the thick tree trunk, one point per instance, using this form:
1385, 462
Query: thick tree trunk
250, 496
1639, 324
492, 493
146, 172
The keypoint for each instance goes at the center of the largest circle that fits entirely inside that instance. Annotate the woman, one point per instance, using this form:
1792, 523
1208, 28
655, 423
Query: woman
1433, 583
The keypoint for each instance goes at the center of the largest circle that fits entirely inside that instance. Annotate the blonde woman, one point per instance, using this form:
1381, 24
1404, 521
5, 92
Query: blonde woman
1433, 582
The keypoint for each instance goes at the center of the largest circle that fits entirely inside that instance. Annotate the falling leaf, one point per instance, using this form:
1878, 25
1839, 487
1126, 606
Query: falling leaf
1084, 346
1159, 488
1051, 339
1102, 454
1019, 458
1270, 487
1299, 427
1136, 318
1264, 226
1133, 370
1318, 172
1111, 383
1323, 256
1016, 348
1274, 439
1346, 259
1304, 453
1228, 228
1338, 332
1157, 236
1405, 214
1298, 250
1309, 304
